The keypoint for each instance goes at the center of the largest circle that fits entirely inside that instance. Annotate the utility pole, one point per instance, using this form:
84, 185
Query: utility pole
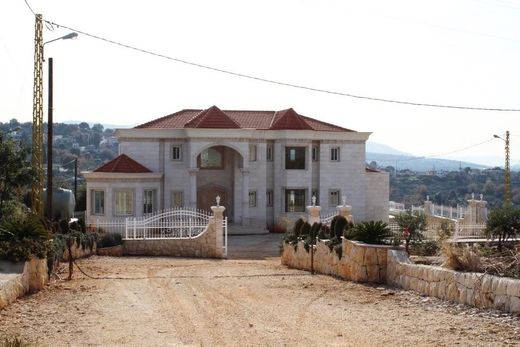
507, 175
76, 180
49, 143
37, 131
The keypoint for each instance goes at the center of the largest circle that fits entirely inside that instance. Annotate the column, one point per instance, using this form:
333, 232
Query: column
245, 196
218, 218
314, 214
428, 206
193, 187
345, 210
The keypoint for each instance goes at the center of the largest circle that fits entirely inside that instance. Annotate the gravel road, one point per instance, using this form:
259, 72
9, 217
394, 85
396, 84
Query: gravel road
239, 302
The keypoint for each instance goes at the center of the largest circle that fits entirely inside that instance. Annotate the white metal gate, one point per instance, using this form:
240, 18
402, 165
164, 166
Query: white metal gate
175, 223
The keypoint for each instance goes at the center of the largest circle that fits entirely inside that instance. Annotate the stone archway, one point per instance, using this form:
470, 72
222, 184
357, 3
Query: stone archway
219, 174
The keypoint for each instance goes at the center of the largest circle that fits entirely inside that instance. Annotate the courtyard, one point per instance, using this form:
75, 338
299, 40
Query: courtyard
246, 300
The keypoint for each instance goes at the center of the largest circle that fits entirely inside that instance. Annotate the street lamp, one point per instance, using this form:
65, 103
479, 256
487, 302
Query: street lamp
49, 124
507, 169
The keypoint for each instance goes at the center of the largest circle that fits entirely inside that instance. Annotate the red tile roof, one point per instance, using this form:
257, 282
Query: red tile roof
289, 119
122, 164
213, 117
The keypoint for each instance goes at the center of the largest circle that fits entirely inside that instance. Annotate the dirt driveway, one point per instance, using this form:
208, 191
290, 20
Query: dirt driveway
239, 302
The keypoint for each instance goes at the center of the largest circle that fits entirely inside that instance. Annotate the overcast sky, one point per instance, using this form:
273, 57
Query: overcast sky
455, 52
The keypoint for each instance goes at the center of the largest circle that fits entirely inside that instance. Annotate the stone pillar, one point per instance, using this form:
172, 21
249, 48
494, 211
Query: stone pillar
193, 187
314, 214
245, 196
218, 218
346, 211
477, 211
428, 206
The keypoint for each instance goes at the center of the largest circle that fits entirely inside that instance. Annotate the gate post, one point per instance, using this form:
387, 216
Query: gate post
218, 219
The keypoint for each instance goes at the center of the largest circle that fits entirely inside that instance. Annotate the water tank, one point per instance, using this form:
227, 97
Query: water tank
63, 203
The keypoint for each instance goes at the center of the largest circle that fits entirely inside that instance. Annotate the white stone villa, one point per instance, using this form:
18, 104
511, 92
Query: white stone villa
265, 166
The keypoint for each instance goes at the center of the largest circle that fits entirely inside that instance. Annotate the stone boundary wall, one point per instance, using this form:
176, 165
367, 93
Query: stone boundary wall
17, 279
360, 262
208, 244
78, 252
474, 289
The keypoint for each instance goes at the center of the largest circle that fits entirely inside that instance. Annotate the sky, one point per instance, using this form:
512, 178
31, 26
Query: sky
451, 52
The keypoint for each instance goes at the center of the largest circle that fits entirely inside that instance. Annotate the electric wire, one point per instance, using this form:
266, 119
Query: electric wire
277, 82
440, 154
30, 8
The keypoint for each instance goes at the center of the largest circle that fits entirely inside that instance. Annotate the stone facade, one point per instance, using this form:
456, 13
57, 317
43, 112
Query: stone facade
360, 262
474, 289
17, 279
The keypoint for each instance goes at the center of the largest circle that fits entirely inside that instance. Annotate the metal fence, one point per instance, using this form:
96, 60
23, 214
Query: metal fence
327, 219
176, 223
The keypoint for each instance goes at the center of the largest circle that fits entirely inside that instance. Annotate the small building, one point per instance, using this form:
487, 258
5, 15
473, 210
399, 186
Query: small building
265, 165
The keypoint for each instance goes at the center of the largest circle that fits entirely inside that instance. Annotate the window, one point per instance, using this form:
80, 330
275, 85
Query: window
334, 154
315, 153
334, 197
176, 152
269, 153
295, 200
149, 200
98, 202
124, 203
177, 199
212, 158
295, 158
252, 152
252, 199
269, 198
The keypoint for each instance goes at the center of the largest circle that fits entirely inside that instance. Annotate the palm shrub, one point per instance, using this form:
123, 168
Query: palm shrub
297, 227
411, 227
315, 230
372, 232
22, 239
502, 224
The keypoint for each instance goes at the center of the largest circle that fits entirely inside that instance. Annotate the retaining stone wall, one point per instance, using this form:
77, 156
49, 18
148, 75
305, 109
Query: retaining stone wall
360, 262
78, 252
203, 246
475, 289
16, 279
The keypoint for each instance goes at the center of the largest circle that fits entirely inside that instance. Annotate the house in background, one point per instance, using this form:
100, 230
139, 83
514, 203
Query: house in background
264, 165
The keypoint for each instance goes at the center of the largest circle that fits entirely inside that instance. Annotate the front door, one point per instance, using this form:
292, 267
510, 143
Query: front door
206, 197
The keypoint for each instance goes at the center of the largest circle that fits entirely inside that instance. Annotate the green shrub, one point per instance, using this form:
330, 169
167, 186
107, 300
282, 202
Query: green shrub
425, 248
324, 232
22, 239
339, 226
110, 240
315, 230
305, 230
373, 232
297, 227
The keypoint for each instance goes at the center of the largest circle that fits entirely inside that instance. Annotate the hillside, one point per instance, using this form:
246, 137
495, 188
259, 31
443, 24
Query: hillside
407, 162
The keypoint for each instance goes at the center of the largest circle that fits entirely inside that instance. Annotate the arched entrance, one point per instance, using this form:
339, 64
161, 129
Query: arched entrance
219, 174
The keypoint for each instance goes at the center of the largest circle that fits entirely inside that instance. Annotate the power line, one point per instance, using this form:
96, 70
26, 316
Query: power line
440, 154
30, 8
286, 84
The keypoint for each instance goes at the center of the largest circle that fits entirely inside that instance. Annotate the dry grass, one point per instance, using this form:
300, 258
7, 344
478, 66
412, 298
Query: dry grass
460, 258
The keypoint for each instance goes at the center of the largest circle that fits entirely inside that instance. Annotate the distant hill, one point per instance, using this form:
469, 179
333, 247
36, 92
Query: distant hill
418, 163
375, 147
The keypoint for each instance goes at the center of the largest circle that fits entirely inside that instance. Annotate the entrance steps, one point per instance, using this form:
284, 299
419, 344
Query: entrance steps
237, 229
